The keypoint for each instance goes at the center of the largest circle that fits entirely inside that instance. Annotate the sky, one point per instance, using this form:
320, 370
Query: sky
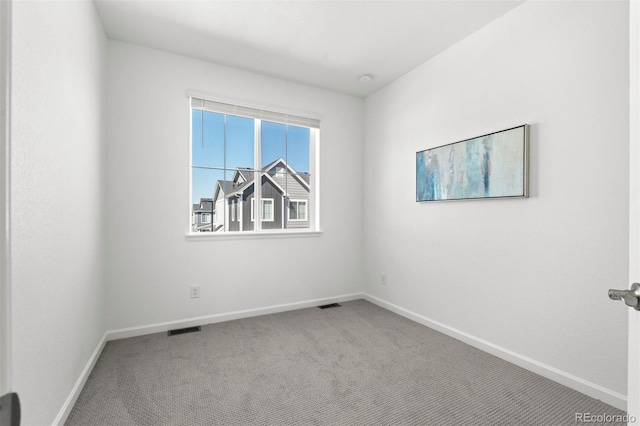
216, 153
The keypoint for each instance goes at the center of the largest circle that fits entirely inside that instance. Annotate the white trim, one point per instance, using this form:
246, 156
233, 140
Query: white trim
257, 177
576, 383
262, 210
583, 386
314, 180
268, 233
273, 207
202, 215
62, 416
275, 184
190, 193
124, 333
5, 200
291, 172
633, 321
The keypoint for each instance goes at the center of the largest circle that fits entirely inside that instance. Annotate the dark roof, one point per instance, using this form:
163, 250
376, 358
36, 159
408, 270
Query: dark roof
306, 177
246, 173
226, 185
208, 208
206, 203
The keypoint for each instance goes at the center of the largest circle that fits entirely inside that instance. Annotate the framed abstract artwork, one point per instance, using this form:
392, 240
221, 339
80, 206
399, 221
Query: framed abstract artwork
490, 166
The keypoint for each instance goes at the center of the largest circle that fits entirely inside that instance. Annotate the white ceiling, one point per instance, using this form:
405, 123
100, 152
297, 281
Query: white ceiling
328, 44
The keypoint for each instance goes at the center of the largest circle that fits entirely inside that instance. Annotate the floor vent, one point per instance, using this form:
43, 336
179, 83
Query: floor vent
183, 330
331, 305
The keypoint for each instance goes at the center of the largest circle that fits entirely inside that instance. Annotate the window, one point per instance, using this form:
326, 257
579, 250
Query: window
298, 210
205, 218
241, 154
267, 210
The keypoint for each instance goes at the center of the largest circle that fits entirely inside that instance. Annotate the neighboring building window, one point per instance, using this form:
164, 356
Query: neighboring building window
267, 210
298, 210
205, 218
238, 156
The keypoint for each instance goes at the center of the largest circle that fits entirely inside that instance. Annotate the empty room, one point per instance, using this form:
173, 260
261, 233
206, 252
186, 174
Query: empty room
445, 231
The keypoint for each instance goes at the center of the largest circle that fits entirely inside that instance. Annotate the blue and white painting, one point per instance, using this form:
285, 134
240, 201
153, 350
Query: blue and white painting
489, 166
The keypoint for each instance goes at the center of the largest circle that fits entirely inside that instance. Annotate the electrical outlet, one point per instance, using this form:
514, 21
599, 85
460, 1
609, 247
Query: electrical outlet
383, 279
195, 291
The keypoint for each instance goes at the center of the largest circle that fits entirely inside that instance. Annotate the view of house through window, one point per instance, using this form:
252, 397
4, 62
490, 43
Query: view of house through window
232, 149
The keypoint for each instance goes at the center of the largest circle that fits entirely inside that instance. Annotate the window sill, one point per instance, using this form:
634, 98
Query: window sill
209, 236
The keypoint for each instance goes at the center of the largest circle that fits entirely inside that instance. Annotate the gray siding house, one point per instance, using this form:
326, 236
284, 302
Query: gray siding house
285, 199
202, 216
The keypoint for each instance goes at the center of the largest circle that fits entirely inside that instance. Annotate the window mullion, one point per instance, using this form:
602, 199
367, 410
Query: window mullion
226, 220
313, 211
257, 181
285, 197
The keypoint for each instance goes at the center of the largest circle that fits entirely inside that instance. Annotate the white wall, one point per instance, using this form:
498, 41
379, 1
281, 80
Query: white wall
528, 275
150, 263
56, 183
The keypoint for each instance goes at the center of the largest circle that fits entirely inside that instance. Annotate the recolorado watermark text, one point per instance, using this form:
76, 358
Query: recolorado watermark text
604, 418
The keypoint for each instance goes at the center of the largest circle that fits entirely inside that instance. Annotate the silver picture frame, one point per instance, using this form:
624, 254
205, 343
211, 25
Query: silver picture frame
495, 165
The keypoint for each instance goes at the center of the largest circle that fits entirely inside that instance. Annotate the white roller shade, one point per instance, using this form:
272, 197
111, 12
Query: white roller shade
243, 111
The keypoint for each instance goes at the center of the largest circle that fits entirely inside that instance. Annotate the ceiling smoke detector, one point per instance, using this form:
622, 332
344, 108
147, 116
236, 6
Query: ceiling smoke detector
365, 78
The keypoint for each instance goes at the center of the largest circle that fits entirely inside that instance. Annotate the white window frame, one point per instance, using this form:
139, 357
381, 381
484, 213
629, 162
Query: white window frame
306, 211
202, 217
233, 107
272, 210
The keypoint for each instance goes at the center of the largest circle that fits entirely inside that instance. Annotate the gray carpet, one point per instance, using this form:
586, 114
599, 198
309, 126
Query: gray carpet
353, 365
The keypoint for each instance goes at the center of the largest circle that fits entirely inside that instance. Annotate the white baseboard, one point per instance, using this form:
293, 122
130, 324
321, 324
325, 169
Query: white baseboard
576, 383
62, 416
210, 319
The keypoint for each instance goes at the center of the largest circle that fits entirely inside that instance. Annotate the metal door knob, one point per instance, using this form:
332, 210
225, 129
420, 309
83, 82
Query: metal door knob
630, 297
